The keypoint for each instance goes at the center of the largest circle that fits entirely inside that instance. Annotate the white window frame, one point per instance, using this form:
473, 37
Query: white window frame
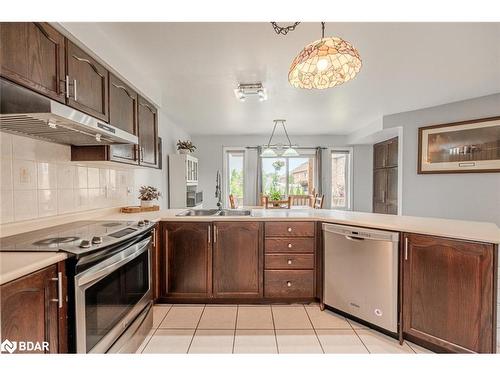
349, 179
226, 151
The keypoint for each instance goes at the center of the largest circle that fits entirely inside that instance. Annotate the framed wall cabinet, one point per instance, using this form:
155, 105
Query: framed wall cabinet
467, 146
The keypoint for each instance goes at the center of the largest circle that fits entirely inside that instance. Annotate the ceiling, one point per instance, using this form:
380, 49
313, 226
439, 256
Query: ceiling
406, 66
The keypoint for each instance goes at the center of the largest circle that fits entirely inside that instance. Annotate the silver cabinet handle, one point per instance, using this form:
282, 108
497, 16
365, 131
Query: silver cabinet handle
289, 229
74, 90
67, 86
209, 234
289, 261
154, 237
406, 248
216, 233
59, 298
288, 283
289, 245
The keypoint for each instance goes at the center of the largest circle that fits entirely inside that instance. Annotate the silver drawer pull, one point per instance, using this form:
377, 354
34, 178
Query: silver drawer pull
289, 261
288, 283
289, 245
289, 229
59, 298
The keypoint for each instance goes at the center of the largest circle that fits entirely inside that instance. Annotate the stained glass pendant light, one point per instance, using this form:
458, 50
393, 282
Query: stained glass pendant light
324, 63
269, 151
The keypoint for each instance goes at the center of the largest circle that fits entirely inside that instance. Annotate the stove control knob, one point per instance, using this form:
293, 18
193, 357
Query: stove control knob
140, 223
147, 222
97, 240
85, 244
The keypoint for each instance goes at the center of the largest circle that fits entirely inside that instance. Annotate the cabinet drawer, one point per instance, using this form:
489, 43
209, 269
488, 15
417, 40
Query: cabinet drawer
289, 245
290, 228
289, 284
289, 261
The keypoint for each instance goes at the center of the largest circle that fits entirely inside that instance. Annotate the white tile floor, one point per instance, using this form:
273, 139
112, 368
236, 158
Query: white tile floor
263, 329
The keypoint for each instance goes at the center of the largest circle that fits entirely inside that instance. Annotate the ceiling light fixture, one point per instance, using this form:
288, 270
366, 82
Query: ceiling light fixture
269, 151
324, 63
247, 90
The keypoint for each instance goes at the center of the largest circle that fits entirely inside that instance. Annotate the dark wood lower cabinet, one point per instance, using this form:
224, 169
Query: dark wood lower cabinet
186, 260
237, 259
30, 311
448, 294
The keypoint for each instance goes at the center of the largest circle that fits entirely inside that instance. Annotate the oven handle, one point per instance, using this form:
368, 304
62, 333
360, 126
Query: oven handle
99, 271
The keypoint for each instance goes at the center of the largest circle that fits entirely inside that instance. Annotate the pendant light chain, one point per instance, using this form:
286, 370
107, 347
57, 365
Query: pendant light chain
283, 30
322, 30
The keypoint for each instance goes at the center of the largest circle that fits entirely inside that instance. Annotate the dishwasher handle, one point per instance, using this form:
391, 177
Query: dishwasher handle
360, 234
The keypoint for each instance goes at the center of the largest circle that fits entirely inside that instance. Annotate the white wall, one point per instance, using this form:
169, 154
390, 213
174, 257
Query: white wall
210, 154
467, 196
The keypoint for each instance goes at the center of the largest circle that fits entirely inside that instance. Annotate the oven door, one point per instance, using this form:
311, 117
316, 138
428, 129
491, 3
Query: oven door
110, 295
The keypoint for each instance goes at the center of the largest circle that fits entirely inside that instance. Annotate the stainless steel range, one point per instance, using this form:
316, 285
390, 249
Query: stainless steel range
109, 277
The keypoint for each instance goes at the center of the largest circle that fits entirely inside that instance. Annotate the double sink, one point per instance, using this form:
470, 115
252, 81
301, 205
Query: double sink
215, 212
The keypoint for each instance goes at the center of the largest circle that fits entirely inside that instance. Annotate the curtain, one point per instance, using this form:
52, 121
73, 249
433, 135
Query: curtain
319, 170
259, 176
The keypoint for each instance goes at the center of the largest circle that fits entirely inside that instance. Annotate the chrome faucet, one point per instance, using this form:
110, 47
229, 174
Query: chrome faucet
218, 190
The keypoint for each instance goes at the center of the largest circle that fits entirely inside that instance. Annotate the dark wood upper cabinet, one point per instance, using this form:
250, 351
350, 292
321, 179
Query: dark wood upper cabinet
186, 259
379, 155
148, 133
392, 152
123, 114
30, 311
448, 293
88, 83
32, 55
238, 260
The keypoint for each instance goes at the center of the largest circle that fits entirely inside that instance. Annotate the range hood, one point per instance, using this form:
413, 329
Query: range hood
27, 113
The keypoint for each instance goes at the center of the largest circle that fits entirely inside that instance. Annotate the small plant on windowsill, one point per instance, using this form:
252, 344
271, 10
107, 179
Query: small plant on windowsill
147, 194
275, 195
185, 147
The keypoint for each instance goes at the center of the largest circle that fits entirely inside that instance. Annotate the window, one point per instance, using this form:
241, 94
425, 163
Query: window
288, 176
234, 175
341, 164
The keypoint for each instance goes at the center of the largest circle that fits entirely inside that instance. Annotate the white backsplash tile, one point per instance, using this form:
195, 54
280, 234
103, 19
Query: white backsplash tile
65, 201
81, 177
65, 176
25, 204
24, 174
103, 177
81, 199
6, 174
38, 179
47, 202
5, 145
6, 206
47, 175
93, 178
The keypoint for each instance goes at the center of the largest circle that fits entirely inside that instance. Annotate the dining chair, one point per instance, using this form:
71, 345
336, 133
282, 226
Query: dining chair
232, 202
318, 201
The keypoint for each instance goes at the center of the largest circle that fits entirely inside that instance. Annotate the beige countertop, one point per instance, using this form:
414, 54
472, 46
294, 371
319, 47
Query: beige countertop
15, 265
466, 230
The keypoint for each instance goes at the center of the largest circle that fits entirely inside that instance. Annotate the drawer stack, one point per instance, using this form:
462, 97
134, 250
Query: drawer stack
289, 259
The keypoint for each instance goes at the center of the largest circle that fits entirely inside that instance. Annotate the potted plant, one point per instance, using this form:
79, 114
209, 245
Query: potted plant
185, 147
147, 194
275, 195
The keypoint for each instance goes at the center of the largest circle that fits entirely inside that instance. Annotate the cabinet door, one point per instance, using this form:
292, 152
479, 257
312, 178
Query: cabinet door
392, 191
379, 190
188, 269
392, 153
379, 155
28, 312
148, 133
238, 259
32, 55
88, 81
123, 115
448, 293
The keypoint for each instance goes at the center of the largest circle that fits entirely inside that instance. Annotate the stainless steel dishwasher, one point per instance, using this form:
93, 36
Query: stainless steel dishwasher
361, 273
